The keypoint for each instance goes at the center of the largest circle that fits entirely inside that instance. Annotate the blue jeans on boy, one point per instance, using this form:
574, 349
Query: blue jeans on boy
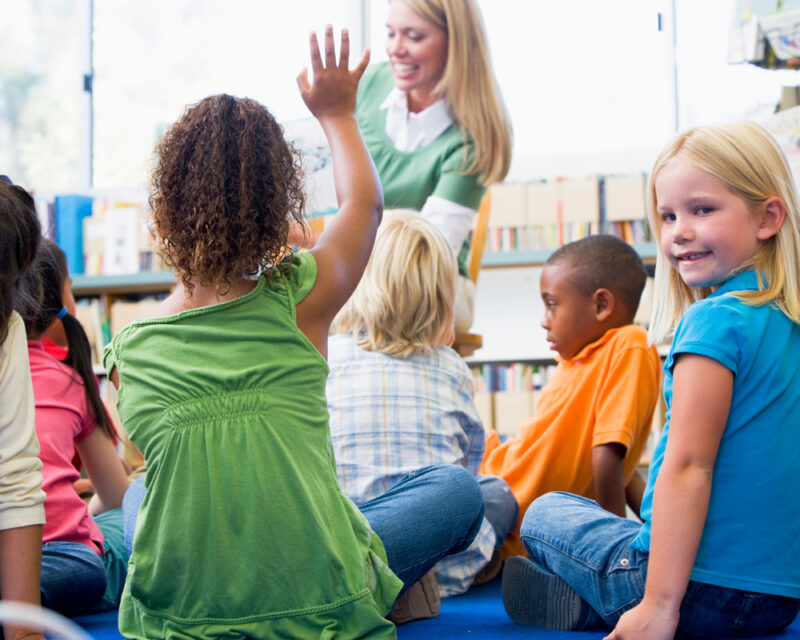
431, 513
501, 508
73, 577
590, 548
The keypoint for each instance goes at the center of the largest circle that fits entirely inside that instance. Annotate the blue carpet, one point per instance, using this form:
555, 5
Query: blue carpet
478, 613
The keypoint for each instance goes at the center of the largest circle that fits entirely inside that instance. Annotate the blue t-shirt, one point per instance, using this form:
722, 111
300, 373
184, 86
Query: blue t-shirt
751, 538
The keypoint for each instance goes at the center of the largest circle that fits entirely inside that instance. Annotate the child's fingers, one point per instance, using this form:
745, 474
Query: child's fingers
316, 58
344, 49
302, 81
330, 48
362, 65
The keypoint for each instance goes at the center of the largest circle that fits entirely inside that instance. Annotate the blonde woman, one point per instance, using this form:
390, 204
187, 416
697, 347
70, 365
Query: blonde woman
434, 120
401, 402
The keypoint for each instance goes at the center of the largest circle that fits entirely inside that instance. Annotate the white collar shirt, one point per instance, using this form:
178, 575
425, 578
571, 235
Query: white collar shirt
412, 131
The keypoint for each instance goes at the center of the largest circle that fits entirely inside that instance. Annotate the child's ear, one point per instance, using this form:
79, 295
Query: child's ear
772, 217
603, 301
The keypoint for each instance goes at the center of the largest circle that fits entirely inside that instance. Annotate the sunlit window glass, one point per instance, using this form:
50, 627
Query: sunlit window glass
40, 93
152, 59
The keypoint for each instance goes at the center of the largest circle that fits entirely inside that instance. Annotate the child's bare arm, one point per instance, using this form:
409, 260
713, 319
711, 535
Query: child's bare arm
634, 491
609, 477
702, 391
20, 565
344, 247
105, 471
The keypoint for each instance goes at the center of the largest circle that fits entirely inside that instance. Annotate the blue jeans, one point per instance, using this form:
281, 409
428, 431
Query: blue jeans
115, 559
431, 513
131, 502
501, 508
590, 548
73, 577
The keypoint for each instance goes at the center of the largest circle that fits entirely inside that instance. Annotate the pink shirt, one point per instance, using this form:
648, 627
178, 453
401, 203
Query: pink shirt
63, 419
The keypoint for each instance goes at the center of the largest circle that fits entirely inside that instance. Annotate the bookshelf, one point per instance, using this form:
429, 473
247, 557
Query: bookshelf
534, 257
142, 282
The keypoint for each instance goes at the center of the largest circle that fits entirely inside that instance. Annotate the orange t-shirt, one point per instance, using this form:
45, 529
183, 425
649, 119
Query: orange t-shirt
605, 394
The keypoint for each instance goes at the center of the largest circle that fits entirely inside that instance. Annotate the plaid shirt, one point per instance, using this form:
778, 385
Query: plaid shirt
390, 416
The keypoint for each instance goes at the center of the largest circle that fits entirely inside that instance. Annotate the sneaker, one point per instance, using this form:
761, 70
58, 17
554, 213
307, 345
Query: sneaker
537, 598
421, 600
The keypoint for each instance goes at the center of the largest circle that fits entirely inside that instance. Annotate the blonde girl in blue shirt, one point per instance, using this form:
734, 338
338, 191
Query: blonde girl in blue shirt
718, 553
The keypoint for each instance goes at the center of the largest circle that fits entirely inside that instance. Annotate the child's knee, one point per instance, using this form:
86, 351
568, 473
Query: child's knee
552, 507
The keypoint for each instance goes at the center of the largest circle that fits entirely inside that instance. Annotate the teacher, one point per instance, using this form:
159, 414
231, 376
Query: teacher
434, 121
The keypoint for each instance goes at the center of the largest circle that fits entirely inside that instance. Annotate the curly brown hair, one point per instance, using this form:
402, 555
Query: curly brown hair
224, 187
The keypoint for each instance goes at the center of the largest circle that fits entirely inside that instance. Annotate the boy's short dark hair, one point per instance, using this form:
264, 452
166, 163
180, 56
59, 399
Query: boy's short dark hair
607, 262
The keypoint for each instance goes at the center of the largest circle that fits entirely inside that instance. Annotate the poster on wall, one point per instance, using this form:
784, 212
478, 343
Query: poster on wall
307, 136
766, 33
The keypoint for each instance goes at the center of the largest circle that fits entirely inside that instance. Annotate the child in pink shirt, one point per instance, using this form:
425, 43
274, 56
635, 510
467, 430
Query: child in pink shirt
70, 417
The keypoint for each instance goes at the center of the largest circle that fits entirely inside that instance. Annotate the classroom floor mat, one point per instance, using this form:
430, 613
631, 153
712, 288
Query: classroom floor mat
477, 615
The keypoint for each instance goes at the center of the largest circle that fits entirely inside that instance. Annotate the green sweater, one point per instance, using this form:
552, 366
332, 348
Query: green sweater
244, 532
408, 178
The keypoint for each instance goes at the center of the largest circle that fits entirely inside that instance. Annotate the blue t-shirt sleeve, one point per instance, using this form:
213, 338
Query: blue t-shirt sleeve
711, 328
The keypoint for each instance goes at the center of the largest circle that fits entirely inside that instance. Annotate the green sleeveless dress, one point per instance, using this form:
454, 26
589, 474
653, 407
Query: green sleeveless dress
244, 532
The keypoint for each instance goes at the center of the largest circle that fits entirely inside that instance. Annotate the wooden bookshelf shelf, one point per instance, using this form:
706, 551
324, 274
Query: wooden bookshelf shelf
142, 282
522, 258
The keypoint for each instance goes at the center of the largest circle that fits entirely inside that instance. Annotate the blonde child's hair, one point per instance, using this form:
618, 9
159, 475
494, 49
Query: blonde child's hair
469, 85
748, 160
404, 302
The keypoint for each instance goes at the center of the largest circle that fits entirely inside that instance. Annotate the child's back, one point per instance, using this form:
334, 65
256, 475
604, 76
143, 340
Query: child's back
400, 399
605, 387
243, 531
423, 403
227, 444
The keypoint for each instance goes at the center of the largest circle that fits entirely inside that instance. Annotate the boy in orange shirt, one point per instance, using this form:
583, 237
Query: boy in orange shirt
594, 414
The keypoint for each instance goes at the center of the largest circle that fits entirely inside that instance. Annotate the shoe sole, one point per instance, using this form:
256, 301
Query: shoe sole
420, 602
535, 598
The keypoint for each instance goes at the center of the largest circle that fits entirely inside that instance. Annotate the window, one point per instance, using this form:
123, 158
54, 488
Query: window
585, 82
41, 92
591, 86
153, 59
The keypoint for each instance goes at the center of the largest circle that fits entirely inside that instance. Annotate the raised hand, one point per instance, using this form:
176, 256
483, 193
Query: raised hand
333, 89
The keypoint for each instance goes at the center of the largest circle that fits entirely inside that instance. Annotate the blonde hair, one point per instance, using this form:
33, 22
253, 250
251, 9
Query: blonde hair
748, 160
404, 302
469, 85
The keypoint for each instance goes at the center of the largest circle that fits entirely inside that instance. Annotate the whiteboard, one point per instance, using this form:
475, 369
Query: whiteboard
508, 315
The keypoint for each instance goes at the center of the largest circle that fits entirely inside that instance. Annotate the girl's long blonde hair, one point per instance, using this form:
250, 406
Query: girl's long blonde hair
748, 160
404, 302
469, 86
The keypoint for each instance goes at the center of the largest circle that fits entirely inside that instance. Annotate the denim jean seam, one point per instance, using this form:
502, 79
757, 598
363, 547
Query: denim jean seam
600, 575
560, 551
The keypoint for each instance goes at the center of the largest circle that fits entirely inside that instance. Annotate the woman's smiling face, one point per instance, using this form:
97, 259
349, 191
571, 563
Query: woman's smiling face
417, 52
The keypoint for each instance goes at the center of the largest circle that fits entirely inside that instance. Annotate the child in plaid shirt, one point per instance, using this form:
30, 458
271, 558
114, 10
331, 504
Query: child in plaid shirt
400, 399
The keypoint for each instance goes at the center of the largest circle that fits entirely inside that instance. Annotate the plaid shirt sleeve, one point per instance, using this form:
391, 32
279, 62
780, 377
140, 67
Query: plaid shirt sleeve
455, 573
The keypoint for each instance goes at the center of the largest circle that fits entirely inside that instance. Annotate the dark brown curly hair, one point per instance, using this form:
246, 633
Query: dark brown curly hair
224, 187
